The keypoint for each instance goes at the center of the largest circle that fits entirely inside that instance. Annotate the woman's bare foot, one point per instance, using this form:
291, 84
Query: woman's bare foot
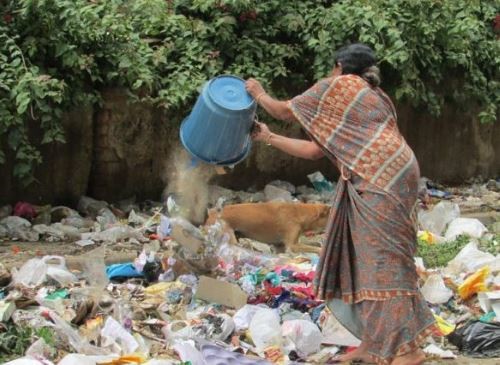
360, 354
413, 358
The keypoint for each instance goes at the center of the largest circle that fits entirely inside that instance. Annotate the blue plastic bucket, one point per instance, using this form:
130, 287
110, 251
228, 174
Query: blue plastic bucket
218, 129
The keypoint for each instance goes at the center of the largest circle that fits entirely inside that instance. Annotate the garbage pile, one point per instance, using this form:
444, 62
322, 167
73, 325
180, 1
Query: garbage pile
190, 297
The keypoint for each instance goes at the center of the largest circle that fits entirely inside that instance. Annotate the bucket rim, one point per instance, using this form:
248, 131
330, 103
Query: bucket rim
209, 92
234, 161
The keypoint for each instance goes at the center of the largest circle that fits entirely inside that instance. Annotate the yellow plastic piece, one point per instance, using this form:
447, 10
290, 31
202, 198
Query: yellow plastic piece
474, 283
445, 327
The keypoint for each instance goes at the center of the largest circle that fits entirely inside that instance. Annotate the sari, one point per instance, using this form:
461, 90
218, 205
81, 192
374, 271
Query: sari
366, 271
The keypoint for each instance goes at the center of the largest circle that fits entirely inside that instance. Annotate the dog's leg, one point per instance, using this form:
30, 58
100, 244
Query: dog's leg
291, 239
300, 247
292, 243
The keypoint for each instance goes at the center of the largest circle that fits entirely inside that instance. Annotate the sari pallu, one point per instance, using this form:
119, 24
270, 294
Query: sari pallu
366, 270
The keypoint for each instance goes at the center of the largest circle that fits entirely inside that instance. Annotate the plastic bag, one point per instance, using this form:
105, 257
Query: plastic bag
163, 230
474, 283
435, 291
19, 228
435, 220
73, 338
244, 315
273, 193
478, 339
265, 329
28, 361
469, 226
444, 327
118, 233
188, 353
469, 259
90, 206
305, 335
113, 334
58, 271
334, 333
31, 274
321, 184
74, 359
40, 349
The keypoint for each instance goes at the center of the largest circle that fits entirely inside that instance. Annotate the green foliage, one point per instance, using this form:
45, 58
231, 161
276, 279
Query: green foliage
438, 255
55, 54
14, 340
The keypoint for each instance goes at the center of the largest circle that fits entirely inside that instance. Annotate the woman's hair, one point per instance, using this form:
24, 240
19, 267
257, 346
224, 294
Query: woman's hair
359, 59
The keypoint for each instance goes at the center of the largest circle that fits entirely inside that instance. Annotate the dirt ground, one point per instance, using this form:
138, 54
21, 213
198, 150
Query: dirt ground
14, 254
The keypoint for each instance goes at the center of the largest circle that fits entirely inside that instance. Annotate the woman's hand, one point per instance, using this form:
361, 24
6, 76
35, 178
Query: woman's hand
261, 132
254, 88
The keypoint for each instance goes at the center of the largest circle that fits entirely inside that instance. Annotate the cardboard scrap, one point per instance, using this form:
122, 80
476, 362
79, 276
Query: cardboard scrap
221, 292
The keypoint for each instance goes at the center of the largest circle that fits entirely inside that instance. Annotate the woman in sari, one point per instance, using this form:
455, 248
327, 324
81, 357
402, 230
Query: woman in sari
366, 273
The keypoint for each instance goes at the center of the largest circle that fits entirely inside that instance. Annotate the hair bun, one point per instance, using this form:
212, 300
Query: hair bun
372, 75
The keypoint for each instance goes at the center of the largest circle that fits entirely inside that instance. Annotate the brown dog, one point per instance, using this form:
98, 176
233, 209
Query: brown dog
274, 222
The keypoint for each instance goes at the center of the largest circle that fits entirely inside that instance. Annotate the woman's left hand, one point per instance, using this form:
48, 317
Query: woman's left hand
260, 132
254, 88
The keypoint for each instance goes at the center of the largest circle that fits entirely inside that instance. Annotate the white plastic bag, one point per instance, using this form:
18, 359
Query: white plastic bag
31, 274
336, 334
244, 315
73, 338
188, 352
113, 334
435, 220
79, 359
265, 329
58, 271
305, 335
469, 226
273, 193
28, 361
469, 259
435, 291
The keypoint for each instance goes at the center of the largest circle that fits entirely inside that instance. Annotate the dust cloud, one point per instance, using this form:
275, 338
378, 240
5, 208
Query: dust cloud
189, 185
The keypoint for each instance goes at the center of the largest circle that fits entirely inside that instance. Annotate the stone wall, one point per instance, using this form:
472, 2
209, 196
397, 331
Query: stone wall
122, 149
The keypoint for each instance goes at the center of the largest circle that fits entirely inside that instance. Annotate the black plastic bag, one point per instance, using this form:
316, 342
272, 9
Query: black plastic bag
477, 339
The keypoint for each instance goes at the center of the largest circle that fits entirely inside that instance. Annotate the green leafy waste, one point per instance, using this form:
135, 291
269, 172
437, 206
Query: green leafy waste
438, 255
14, 340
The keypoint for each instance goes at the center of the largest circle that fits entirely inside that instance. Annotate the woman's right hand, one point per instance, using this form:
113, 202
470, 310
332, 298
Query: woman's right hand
261, 132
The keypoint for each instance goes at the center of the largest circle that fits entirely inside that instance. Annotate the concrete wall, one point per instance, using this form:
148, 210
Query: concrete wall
121, 150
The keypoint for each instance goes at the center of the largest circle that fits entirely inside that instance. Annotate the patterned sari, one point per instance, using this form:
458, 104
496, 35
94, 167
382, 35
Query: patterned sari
366, 270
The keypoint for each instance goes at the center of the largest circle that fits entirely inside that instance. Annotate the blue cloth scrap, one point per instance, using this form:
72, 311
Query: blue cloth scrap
126, 270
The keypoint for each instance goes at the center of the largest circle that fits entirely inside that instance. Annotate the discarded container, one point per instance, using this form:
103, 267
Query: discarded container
218, 129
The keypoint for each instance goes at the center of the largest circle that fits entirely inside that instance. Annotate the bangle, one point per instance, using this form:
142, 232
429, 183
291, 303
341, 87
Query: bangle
257, 99
268, 139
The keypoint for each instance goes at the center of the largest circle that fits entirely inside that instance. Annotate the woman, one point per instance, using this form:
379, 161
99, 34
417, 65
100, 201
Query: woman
366, 271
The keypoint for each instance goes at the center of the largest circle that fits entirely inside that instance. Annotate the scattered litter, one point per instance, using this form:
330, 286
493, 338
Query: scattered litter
187, 294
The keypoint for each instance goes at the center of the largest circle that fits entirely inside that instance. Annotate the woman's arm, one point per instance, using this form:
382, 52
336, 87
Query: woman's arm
292, 146
276, 108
